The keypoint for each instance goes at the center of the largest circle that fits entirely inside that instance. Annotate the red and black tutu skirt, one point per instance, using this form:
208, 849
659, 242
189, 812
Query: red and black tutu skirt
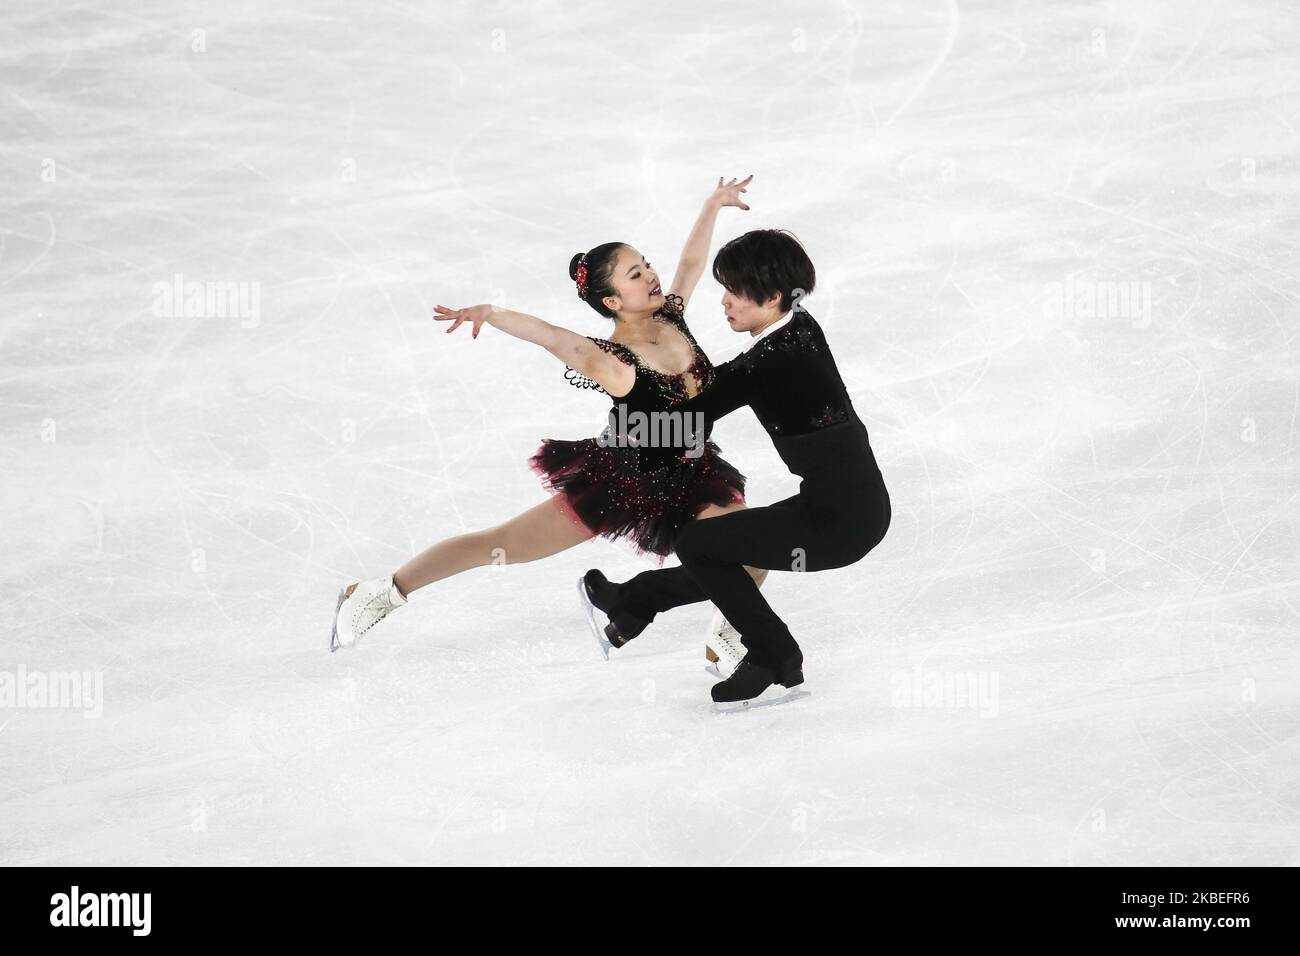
645, 495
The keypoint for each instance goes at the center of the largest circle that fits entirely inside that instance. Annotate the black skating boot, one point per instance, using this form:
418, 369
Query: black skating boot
599, 593
754, 685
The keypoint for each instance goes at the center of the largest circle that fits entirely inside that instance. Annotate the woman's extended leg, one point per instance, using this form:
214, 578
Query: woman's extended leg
539, 532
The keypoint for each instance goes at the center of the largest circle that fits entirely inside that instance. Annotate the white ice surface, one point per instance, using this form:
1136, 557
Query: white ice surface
1097, 513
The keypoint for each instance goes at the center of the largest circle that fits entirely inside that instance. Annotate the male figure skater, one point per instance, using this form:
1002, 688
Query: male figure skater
788, 376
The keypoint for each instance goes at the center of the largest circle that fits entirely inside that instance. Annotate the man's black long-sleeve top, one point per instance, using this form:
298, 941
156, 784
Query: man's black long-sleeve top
791, 381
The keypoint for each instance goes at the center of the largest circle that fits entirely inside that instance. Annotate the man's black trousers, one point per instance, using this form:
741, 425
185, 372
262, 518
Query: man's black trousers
842, 511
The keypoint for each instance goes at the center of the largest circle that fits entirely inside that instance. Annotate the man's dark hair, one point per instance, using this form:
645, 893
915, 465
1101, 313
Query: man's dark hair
764, 262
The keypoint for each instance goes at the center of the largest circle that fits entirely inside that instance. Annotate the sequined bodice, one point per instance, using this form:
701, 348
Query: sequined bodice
655, 390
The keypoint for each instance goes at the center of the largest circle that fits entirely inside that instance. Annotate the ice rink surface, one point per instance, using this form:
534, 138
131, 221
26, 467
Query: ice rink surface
1057, 257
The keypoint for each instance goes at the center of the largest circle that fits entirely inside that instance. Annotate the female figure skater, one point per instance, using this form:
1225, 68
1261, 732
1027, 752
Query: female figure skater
650, 364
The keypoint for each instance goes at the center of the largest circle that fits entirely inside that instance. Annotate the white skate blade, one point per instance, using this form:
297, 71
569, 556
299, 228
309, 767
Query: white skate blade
602, 642
774, 696
334, 631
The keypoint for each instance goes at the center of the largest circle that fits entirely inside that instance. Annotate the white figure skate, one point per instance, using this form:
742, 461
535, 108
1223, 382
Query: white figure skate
361, 607
724, 641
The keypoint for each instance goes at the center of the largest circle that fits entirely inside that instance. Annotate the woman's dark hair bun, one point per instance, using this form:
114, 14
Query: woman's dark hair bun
600, 271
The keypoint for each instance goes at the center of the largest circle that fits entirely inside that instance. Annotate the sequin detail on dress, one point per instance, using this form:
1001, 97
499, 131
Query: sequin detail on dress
672, 388
645, 494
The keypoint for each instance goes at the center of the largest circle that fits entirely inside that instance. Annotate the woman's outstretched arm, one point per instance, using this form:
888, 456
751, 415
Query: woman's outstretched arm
695, 254
576, 351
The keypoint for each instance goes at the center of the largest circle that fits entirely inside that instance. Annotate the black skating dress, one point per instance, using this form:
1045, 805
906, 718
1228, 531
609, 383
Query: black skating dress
642, 485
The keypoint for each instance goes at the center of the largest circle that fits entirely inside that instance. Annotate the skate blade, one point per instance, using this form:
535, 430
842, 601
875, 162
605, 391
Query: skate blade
602, 643
334, 631
774, 696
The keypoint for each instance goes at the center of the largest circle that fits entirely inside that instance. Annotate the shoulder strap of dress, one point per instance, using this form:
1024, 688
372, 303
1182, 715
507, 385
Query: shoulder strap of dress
578, 380
673, 311
617, 348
